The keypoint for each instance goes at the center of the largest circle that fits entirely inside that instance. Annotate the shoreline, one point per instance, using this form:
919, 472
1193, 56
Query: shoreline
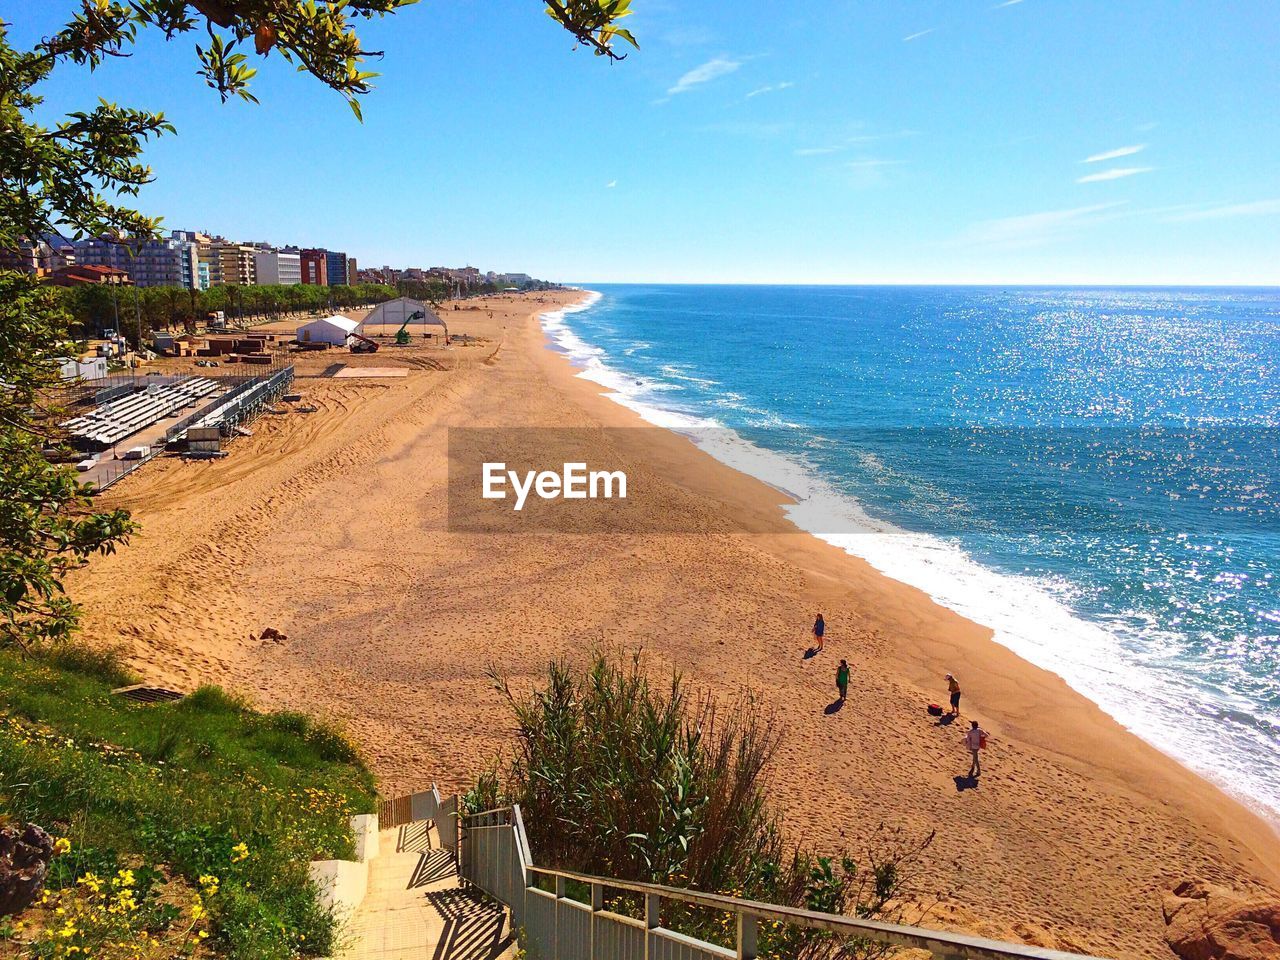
1079, 828
653, 414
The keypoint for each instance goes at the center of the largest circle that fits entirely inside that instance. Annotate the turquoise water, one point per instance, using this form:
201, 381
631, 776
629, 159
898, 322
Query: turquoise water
1093, 473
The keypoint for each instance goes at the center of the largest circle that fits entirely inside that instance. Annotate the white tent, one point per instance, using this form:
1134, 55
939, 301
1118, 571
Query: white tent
394, 313
333, 330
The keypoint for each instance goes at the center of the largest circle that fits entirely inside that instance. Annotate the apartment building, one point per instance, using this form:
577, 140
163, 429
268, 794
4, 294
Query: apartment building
314, 266
149, 263
236, 262
280, 267
335, 268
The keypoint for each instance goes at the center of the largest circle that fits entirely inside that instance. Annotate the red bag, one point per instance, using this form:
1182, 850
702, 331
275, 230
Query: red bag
982, 740
935, 710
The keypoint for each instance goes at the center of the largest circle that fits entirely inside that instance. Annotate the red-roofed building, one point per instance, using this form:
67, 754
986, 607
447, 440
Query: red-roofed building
87, 273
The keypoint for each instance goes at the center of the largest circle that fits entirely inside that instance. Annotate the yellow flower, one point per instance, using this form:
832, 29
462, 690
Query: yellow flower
202, 934
239, 852
197, 912
61, 845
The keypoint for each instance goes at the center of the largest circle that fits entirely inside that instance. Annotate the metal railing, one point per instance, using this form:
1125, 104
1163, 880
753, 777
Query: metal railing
244, 400
426, 805
110, 472
494, 857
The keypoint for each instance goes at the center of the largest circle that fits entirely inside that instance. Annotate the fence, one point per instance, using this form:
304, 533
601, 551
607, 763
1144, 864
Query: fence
244, 400
424, 806
494, 857
73, 393
394, 813
109, 472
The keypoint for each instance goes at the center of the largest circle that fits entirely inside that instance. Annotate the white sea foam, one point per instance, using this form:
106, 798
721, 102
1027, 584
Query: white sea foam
1030, 616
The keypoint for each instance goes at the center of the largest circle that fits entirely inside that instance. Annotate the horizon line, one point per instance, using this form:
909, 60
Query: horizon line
1273, 285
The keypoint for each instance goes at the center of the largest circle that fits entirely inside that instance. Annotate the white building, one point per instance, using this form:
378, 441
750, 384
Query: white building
95, 368
332, 330
278, 267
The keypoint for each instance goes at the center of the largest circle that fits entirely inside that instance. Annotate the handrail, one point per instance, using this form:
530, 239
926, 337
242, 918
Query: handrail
750, 912
896, 934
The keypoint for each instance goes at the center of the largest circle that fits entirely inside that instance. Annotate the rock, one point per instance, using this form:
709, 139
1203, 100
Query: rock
25, 853
1207, 922
274, 635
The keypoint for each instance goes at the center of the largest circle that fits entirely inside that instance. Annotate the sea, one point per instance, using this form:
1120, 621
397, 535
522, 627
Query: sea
1093, 473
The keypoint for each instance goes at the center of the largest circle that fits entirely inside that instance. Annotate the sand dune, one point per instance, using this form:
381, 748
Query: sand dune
332, 528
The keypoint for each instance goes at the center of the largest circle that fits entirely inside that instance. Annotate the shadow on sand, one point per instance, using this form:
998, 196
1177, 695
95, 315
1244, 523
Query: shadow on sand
835, 706
966, 783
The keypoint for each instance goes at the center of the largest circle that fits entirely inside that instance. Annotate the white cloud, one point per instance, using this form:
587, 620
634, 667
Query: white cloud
849, 142
1115, 154
1146, 127
611, 184
771, 88
869, 173
1033, 229
711, 70
1116, 173
1258, 208
1007, 3
917, 36
873, 137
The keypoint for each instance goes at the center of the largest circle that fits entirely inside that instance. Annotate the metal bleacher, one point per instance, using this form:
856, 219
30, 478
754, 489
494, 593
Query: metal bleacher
112, 422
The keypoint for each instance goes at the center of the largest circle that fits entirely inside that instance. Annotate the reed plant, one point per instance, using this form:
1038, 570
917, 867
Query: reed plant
620, 775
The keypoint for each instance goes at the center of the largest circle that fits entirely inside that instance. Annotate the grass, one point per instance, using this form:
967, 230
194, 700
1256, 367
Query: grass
203, 795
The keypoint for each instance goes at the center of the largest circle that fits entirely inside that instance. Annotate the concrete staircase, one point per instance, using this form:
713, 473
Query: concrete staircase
415, 909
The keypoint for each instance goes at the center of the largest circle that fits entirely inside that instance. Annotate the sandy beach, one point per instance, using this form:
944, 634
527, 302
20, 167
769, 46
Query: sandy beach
331, 527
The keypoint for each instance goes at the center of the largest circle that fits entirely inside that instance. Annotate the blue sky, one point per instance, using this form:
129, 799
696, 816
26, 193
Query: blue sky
897, 141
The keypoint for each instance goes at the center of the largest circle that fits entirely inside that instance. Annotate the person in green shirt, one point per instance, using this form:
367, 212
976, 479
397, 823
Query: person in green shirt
842, 679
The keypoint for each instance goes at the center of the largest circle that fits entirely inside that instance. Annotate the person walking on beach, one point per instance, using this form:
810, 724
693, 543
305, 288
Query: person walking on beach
975, 740
842, 680
953, 687
819, 630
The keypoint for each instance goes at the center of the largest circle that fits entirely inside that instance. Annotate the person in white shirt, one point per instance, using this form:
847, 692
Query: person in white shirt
974, 741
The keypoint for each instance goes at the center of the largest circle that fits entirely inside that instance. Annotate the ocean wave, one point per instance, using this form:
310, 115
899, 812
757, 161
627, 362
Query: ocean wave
1030, 616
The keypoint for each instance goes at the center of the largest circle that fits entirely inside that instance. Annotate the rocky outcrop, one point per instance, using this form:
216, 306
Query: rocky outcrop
25, 853
1206, 922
